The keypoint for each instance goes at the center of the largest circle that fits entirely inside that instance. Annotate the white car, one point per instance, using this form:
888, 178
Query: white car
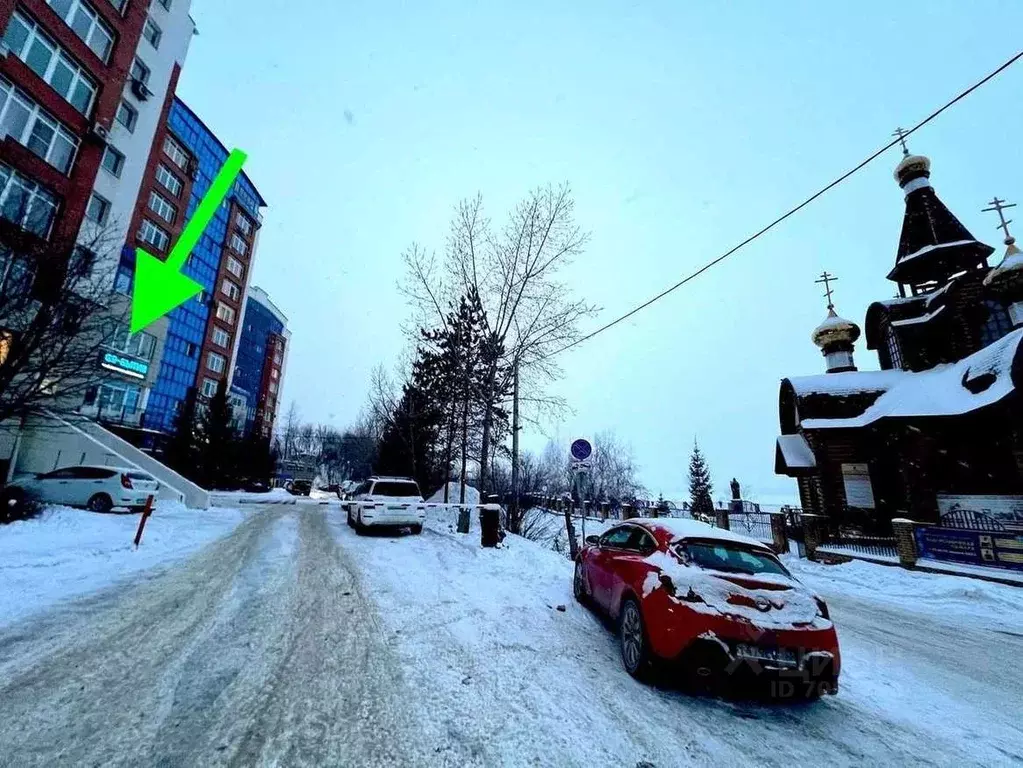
387, 501
99, 489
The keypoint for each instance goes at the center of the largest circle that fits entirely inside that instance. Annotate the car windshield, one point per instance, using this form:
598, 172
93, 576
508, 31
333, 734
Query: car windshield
396, 488
731, 557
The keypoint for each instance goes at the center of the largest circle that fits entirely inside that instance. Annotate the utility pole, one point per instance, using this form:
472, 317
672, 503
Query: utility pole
515, 445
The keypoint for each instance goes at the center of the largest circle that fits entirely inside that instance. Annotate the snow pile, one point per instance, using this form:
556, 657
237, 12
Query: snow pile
787, 605
972, 601
472, 496
245, 497
68, 552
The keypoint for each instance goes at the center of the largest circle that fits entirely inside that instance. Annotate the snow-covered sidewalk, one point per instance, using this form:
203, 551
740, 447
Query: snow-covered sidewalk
70, 552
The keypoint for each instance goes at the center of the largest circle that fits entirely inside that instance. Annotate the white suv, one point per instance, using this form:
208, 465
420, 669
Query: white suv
386, 501
97, 488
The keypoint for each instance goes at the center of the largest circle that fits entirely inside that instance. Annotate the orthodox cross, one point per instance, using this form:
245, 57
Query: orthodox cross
826, 279
902, 134
998, 206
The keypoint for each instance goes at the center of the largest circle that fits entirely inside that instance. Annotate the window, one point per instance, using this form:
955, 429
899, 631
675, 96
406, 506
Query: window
243, 223
29, 124
174, 151
135, 344
152, 33
234, 266
225, 313
25, 202
893, 347
209, 387
616, 537
221, 337
113, 161
159, 205
98, 209
238, 244
168, 180
274, 374
729, 557
152, 234
166, 4
87, 24
118, 4
997, 324
230, 289
139, 71
47, 60
127, 116
277, 357
190, 349
215, 362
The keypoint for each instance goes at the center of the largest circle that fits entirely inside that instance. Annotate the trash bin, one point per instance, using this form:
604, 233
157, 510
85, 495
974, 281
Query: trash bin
490, 525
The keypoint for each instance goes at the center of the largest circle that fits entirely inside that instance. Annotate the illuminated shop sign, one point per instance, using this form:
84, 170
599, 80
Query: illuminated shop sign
129, 366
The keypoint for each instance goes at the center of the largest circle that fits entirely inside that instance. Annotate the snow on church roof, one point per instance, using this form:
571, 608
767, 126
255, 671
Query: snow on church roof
982, 379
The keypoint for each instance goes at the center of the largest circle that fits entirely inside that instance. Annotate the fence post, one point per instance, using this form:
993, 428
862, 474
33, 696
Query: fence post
628, 512
905, 541
463, 519
813, 532
721, 518
778, 535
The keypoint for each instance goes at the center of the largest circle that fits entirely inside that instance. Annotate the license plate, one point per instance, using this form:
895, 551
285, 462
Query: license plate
783, 656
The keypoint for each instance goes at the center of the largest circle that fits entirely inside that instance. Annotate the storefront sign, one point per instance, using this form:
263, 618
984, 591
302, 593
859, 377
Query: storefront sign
1007, 510
859, 492
129, 366
999, 550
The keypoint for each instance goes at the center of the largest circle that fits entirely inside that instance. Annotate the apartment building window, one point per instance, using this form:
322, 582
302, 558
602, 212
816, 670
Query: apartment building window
238, 244
152, 33
230, 290
113, 161
98, 209
174, 151
278, 358
25, 203
274, 373
29, 124
139, 345
127, 116
139, 71
243, 223
168, 180
87, 24
159, 205
152, 234
44, 57
225, 313
234, 266
215, 362
221, 337
273, 387
118, 4
209, 387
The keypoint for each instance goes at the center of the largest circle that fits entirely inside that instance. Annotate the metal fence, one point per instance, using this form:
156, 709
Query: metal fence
968, 520
882, 546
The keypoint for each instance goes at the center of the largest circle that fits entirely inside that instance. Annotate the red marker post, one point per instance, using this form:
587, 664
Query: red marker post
146, 512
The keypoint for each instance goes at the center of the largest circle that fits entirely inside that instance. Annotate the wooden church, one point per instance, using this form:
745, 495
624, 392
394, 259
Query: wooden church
941, 421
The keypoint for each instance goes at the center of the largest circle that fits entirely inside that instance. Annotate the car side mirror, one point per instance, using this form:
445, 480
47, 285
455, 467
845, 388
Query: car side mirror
594, 540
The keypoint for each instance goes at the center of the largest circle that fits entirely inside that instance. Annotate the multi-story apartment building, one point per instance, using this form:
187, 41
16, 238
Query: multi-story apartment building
261, 361
82, 87
200, 337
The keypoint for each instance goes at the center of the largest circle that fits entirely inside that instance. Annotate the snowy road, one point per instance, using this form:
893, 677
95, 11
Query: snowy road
292, 641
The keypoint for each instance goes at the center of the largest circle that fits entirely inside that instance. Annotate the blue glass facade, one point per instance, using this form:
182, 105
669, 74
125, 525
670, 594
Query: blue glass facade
187, 327
259, 323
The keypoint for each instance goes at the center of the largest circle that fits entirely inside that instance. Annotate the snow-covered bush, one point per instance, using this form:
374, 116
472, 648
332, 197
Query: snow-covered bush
15, 505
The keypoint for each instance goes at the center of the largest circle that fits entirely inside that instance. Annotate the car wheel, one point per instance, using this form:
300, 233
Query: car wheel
351, 523
633, 638
359, 527
100, 503
579, 583
416, 529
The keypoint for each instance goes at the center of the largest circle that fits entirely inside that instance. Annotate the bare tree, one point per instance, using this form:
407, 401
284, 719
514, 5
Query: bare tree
289, 430
58, 314
517, 271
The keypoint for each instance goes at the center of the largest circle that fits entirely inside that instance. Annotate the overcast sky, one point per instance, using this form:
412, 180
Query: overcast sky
682, 128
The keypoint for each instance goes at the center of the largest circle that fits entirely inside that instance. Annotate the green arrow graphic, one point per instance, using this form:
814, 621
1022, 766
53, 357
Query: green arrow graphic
159, 285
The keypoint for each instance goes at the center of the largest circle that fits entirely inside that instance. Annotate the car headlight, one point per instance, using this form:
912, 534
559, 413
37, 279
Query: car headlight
822, 609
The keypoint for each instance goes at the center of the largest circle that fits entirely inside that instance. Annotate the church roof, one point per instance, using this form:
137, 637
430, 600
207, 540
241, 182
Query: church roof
982, 379
934, 244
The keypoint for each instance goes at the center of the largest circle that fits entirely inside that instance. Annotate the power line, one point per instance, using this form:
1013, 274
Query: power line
790, 212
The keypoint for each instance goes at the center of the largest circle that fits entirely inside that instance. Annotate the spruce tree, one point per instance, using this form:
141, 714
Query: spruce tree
182, 453
219, 450
699, 484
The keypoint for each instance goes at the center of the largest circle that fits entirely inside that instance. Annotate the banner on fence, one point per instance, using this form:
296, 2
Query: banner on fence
1000, 550
1007, 510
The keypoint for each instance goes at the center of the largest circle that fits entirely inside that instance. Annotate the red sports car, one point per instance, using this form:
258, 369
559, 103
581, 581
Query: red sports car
714, 601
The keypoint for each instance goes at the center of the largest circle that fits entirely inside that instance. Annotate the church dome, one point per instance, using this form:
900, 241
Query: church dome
1007, 277
912, 167
835, 330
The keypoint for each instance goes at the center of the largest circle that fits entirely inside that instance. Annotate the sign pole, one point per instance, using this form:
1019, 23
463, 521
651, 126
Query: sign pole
146, 512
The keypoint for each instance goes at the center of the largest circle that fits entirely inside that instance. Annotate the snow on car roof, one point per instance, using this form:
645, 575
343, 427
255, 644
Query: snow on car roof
694, 529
